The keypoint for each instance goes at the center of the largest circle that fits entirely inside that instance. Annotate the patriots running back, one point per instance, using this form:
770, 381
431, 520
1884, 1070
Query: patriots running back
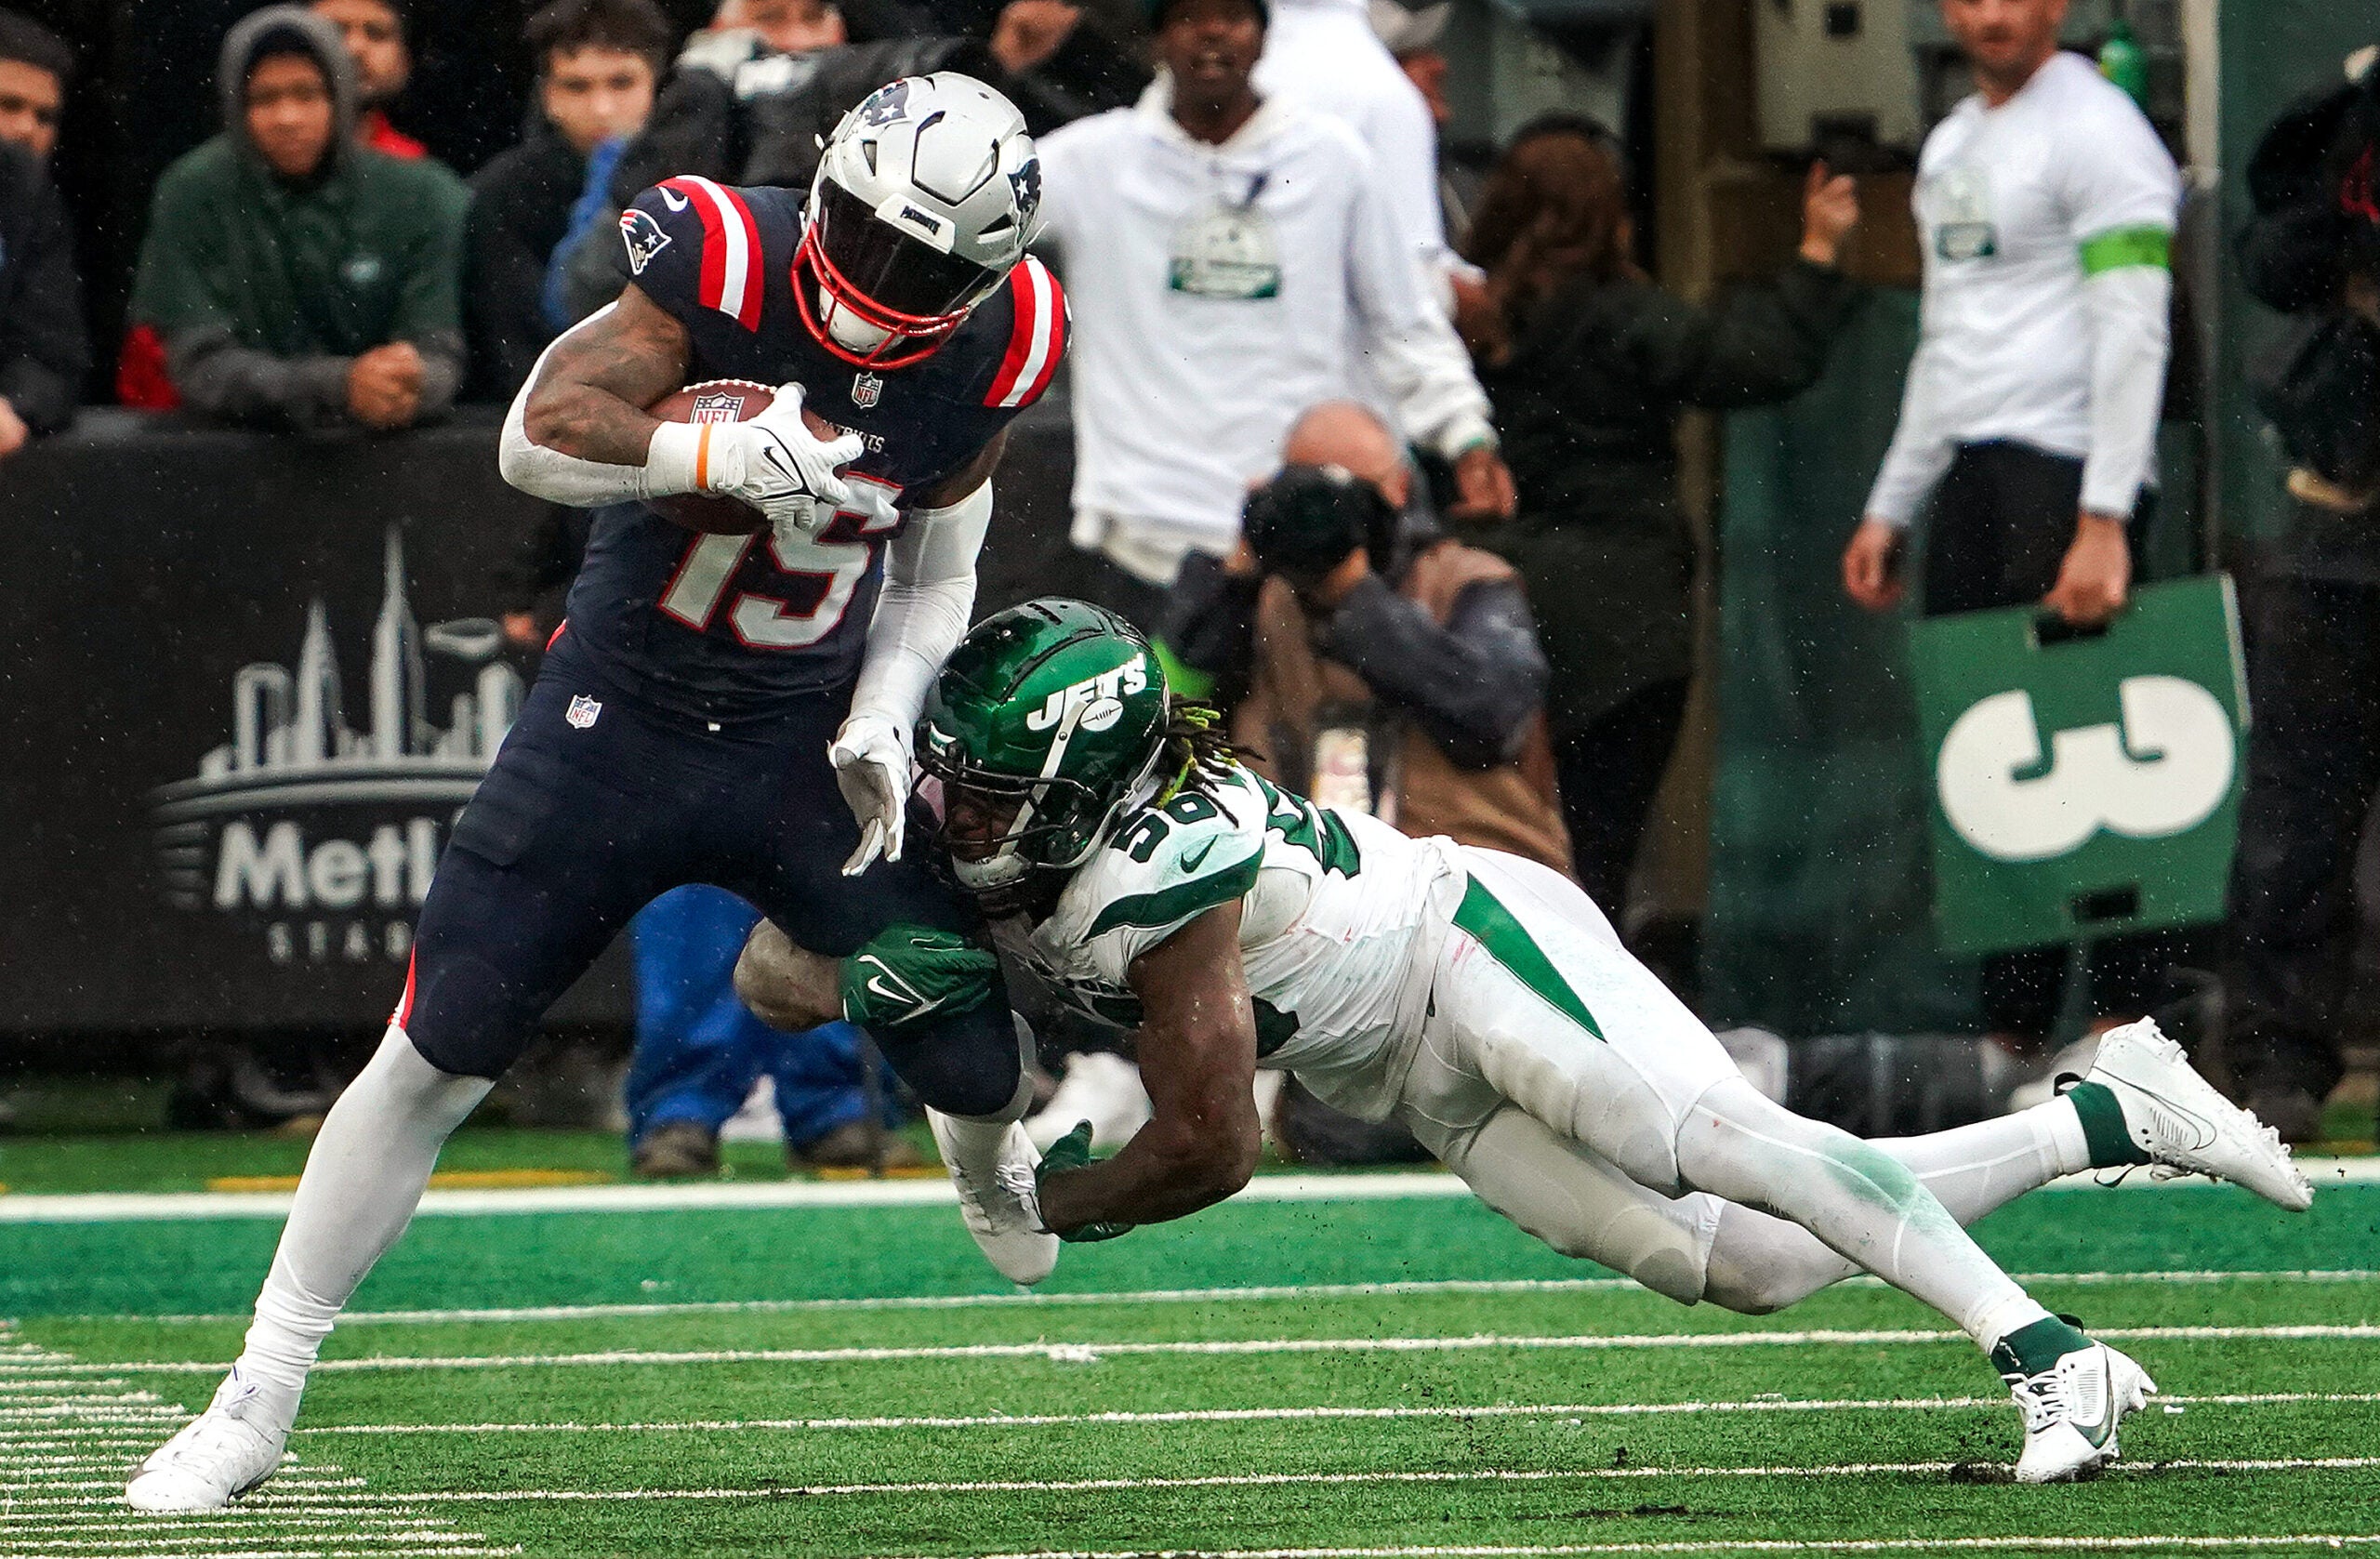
728, 710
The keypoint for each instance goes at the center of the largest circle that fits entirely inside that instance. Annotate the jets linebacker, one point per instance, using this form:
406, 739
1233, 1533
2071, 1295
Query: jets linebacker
1148, 879
726, 708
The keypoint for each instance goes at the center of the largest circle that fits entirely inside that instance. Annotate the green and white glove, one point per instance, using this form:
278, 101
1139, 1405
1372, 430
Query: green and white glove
1073, 1152
907, 974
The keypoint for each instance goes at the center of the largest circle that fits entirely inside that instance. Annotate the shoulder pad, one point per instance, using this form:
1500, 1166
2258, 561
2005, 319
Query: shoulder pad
1037, 337
1167, 865
691, 242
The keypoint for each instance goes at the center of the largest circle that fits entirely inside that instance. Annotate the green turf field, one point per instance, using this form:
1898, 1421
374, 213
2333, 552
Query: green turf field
1395, 1375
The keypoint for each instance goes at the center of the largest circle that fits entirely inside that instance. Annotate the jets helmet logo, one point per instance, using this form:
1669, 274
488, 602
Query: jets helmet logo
1093, 703
644, 238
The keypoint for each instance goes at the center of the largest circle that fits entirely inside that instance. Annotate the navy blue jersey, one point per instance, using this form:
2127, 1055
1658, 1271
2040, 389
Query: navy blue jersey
731, 627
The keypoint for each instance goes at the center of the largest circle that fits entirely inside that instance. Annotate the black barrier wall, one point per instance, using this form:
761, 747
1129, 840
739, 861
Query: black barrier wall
245, 684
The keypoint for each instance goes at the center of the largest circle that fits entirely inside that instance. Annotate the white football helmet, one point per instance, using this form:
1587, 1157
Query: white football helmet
926, 196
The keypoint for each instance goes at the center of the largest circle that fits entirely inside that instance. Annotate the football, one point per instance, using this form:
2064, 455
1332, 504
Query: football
721, 401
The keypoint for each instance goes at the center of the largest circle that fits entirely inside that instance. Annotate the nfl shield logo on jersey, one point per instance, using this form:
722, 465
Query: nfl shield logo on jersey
867, 388
583, 710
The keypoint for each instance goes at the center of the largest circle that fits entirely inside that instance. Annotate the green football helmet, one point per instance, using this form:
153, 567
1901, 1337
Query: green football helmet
1059, 703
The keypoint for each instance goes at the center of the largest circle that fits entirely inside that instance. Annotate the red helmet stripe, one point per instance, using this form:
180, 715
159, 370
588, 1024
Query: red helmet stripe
731, 280
1036, 339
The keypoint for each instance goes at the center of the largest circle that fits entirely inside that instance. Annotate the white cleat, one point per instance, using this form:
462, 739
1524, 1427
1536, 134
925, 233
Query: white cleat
2176, 1117
997, 1197
218, 1456
2071, 1411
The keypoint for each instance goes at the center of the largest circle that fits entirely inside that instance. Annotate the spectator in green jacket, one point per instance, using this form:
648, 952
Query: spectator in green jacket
293, 277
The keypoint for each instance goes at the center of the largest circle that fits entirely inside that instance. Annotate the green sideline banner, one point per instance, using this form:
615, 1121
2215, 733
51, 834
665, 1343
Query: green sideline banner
2083, 783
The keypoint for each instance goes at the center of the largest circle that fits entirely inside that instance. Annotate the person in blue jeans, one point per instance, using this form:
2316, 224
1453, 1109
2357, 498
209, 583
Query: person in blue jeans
699, 1050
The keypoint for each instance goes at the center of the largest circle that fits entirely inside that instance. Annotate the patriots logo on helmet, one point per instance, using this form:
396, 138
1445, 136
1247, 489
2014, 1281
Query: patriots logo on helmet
1026, 184
644, 238
885, 104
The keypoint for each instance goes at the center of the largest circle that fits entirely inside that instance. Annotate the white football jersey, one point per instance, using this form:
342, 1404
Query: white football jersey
1341, 918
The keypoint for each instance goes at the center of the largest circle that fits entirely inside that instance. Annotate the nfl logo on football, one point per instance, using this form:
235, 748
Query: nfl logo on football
723, 405
867, 388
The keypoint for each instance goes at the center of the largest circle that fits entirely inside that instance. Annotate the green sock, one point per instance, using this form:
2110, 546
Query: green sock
2103, 1129
2030, 1350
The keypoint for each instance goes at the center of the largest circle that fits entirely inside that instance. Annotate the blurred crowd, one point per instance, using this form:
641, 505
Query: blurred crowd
1415, 520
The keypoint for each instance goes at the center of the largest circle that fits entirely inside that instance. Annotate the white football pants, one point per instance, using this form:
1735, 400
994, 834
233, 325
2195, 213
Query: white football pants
1582, 1101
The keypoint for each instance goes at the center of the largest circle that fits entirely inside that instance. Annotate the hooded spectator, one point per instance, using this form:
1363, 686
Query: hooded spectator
599, 65
292, 276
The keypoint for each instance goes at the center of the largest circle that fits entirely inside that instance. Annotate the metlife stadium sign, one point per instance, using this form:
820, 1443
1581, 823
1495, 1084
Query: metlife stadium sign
321, 836
248, 683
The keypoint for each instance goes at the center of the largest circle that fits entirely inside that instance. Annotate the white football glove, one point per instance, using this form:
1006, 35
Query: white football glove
777, 465
871, 758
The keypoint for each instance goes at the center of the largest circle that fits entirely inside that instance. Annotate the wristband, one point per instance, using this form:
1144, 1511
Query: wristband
680, 460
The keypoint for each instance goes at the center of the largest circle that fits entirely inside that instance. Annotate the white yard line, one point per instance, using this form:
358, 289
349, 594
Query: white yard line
111, 1207
1772, 1545
1305, 1291
1091, 1352
108, 1207
57, 1433
1574, 1411
267, 1500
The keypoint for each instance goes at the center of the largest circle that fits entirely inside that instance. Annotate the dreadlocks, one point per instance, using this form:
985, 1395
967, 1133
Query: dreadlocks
1197, 753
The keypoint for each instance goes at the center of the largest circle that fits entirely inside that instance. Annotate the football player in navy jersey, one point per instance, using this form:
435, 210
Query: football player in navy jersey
723, 708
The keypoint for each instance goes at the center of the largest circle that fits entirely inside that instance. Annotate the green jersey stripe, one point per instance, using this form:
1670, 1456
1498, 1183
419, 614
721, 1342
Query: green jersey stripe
2121, 247
1182, 899
1509, 944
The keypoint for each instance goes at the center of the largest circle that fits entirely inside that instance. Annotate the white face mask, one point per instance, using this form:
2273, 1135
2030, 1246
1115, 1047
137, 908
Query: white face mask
847, 329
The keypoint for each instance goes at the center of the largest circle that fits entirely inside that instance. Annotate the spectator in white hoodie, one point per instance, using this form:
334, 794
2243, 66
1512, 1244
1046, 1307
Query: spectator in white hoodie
1239, 255
1327, 55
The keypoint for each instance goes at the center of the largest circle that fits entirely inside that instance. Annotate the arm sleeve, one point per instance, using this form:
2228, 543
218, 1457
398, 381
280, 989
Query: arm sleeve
1406, 332
921, 614
1759, 345
45, 352
565, 479
2123, 195
2129, 310
1921, 449
1473, 683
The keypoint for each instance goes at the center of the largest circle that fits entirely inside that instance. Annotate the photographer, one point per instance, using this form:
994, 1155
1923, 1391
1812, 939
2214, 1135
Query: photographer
2312, 250
1372, 662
